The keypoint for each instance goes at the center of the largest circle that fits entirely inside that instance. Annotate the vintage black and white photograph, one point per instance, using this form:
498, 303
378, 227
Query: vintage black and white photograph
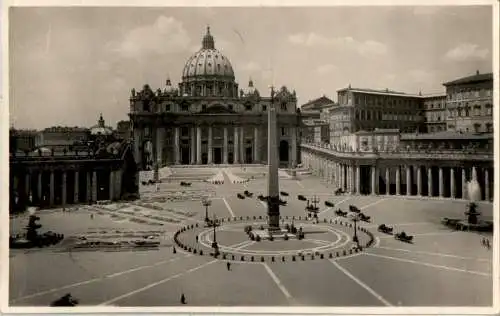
336, 156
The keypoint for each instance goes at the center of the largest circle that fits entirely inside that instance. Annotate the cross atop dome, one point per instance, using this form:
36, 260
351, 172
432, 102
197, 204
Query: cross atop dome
208, 40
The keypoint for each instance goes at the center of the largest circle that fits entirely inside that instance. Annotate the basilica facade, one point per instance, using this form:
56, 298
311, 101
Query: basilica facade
208, 120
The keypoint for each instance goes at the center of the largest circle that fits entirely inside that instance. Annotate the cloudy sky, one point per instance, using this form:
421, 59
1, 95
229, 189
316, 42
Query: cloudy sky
69, 64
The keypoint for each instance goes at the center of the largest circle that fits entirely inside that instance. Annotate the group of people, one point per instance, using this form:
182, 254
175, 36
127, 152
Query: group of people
485, 242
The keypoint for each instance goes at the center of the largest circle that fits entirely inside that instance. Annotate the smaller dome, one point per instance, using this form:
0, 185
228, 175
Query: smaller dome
101, 128
168, 87
251, 90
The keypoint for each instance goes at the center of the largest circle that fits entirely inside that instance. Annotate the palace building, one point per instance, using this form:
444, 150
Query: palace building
208, 120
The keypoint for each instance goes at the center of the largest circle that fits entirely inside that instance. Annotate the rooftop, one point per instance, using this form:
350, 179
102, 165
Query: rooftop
446, 135
471, 79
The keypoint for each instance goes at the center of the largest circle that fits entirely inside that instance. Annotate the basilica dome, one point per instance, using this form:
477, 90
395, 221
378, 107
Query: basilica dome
208, 72
208, 61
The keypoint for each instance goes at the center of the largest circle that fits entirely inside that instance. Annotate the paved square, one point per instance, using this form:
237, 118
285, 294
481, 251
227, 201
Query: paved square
441, 268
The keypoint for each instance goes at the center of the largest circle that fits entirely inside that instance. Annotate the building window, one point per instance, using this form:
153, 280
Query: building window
167, 107
264, 108
488, 109
248, 107
184, 131
204, 107
184, 107
282, 131
477, 127
283, 106
230, 107
489, 127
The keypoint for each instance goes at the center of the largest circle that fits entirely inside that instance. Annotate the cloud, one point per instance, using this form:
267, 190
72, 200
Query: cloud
166, 35
326, 69
365, 48
466, 52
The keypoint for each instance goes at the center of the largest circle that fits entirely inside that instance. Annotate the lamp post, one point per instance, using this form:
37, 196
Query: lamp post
206, 203
214, 243
355, 219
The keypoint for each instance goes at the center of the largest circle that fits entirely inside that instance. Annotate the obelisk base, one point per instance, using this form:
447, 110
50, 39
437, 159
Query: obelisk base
273, 211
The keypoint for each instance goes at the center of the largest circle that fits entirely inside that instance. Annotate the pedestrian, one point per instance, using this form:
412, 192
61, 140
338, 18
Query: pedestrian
228, 264
174, 251
483, 242
196, 238
488, 244
183, 299
91, 216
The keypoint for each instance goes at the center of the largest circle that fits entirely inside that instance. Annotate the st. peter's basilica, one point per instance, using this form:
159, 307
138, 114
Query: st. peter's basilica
208, 120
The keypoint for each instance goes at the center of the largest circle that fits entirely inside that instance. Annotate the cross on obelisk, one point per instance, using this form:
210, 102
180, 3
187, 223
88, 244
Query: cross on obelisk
273, 202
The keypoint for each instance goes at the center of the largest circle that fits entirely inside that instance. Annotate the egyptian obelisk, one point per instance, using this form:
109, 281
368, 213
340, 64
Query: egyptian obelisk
273, 205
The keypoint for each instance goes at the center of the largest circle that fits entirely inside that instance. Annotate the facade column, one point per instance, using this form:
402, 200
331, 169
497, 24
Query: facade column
210, 149
441, 182
177, 149
137, 146
51, 194
342, 176
256, 151
193, 146
39, 186
453, 188
419, 180
89, 187
198, 145
351, 180
160, 139
430, 188
293, 132
358, 179
465, 192
374, 178
242, 145
64, 188
236, 146
408, 180
486, 185
94, 186
225, 147
387, 180
77, 184
398, 180
111, 185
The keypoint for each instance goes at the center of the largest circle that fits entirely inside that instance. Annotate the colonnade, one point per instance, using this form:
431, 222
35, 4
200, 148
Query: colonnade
391, 178
61, 187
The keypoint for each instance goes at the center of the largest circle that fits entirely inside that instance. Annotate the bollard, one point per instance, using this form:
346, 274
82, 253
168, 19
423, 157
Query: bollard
272, 259
330, 255
283, 259
321, 256
242, 258
194, 251
293, 258
233, 257
252, 259
201, 252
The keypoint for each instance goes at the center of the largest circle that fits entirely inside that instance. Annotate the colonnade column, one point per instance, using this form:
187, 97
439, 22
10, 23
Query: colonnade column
387, 180
51, 194
256, 151
64, 189
453, 189
198, 145
373, 178
77, 183
94, 186
474, 173
408, 180
111, 185
351, 180
193, 146
225, 148
89, 187
236, 147
419, 180
358, 179
486, 185
398, 180
441, 182
465, 192
39, 187
177, 149
430, 189
210, 149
